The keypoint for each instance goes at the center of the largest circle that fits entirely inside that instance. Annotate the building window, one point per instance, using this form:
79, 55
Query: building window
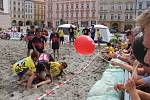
101, 8
120, 7
148, 4
71, 6
118, 16
77, 6
82, 5
62, 6
127, 7
67, 14
57, 6
93, 14
131, 7
87, 5
131, 16
100, 16
77, 14
140, 5
67, 6
112, 7
18, 3
93, 5
14, 15
87, 14
14, 8
105, 16
18, 9
71, 15
22, 16
18, 16
81, 14
112, 16
14, 3
126, 16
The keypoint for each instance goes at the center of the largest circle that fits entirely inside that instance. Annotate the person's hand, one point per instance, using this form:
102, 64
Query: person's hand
119, 87
114, 55
130, 86
114, 63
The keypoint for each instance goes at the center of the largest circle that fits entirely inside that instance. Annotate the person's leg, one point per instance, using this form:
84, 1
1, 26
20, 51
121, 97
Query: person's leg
54, 53
28, 52
70, 39
73, 38
57, 54
62, 40
30, 79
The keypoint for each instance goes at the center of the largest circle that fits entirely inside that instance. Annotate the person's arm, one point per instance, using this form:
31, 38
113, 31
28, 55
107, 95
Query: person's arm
42, 83
33, 46
131, 89
146, 69
124, 66
143, 95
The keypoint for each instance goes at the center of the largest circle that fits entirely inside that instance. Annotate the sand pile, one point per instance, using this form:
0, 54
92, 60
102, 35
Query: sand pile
77, 89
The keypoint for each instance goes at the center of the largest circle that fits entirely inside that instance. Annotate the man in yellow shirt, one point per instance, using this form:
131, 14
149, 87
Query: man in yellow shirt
26, 66
98, 37
61, 35
76, 32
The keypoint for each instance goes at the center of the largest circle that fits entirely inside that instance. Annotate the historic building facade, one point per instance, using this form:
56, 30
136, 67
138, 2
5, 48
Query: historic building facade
39, 12
4, 14
118, 15
79, 12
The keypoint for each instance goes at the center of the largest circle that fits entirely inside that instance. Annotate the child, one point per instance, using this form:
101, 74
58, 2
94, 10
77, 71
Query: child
30, 35
54, 37
26, 67
39, 41
46, 57
108, 51
98, 37
50, 70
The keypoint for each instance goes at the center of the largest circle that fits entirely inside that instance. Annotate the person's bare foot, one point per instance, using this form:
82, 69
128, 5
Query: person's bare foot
34, 87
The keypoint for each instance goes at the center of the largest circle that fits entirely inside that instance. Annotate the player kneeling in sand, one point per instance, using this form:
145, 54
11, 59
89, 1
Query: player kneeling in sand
108, 51
26, 67
48, 71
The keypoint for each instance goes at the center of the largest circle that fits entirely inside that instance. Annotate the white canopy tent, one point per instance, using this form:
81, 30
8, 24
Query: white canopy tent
105, 33
66, 26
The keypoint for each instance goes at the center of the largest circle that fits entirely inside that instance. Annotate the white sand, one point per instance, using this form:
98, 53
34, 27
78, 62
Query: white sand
77, 89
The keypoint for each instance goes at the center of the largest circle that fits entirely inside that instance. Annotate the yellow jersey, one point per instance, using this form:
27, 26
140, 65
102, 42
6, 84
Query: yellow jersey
98, 34
76, 33
111, 51
55, 68
26, 63
123, 46
61, 33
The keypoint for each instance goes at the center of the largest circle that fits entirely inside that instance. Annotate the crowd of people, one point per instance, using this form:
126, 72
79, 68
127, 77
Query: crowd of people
136, 54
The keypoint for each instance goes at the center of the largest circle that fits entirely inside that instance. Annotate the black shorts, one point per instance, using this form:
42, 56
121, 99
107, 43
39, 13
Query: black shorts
30, 45
55, 45
61, 38
40, 50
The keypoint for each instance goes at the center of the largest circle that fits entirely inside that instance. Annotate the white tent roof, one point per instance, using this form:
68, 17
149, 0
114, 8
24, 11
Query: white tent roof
100, 26
66, 26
